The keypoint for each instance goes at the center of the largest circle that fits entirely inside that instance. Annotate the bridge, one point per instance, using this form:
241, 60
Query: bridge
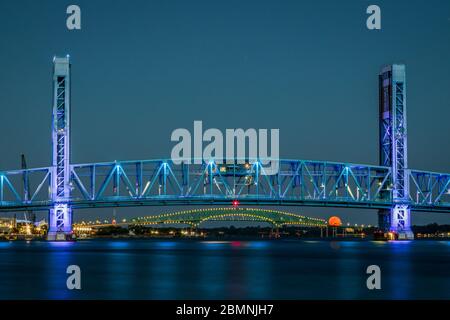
392, 187
196, 217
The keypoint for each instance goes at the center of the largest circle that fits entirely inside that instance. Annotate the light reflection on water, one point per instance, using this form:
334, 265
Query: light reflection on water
5, 244
168, 269
118, 244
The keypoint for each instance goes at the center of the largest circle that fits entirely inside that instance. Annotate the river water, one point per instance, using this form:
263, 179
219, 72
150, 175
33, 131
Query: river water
184, 269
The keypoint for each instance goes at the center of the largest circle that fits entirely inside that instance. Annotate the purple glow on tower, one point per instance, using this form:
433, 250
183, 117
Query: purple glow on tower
60, 216
394, 149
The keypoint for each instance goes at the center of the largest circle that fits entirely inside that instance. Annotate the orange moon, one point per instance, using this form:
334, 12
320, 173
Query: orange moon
334, 222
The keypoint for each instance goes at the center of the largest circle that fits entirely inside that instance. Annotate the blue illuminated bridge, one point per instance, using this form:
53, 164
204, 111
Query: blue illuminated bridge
392, 187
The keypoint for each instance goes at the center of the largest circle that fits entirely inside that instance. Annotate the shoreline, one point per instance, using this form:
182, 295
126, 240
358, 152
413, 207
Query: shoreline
225, 239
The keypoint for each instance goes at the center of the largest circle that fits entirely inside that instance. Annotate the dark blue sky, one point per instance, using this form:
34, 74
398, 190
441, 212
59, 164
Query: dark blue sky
141, 69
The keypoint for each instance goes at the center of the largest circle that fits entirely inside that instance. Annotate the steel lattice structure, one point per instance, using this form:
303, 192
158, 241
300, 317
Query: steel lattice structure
392, 187
161, 182
60, 214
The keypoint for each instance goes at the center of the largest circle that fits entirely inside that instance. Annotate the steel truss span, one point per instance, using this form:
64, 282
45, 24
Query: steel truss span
162, 182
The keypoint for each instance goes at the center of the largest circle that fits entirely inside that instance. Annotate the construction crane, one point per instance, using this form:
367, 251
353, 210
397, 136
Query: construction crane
29, 215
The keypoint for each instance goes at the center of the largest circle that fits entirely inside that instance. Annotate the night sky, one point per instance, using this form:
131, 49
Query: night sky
141, 69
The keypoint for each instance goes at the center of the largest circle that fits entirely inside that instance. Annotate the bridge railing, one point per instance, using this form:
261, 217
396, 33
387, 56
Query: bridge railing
146, 182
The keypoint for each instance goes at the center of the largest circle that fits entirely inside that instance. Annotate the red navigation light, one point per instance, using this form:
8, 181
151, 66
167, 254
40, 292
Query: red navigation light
235, 203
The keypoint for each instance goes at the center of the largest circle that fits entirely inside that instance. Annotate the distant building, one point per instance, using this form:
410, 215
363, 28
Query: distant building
6, 224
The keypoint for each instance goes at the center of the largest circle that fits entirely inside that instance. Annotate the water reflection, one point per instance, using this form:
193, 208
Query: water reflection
59, 257
166, 269
399, 265
212, 274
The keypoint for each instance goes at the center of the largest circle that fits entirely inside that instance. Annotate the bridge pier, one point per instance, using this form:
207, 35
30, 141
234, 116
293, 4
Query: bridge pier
60, 223
396, 220
401, 222
384, 220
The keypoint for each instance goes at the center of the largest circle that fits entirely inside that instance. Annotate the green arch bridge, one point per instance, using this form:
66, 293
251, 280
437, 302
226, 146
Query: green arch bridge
196, 217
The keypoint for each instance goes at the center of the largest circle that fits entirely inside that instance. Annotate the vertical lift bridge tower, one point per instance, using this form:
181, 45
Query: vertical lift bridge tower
60, 216
394, 149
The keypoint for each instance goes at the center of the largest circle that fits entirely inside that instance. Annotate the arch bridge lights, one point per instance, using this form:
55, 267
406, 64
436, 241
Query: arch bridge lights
197, 216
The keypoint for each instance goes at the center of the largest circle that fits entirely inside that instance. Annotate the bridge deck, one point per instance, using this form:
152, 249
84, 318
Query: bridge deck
163, 182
